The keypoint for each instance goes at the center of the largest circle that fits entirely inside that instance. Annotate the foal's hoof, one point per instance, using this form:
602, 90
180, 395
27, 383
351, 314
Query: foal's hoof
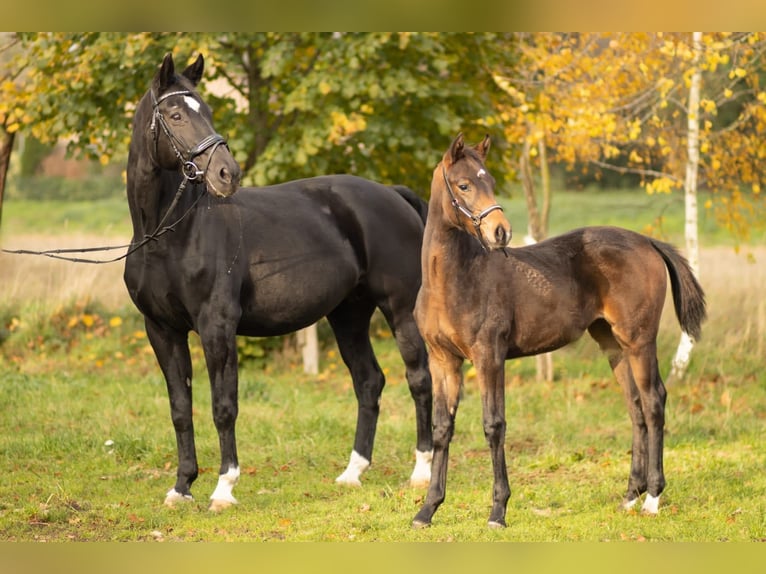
419, 524
496, 523
218, 505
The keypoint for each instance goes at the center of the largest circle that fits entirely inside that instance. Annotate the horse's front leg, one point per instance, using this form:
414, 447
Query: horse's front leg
491, 376
447, 380
217, 329
172, 351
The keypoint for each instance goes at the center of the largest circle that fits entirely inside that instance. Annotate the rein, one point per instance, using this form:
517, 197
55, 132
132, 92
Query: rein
189, 170
461, 209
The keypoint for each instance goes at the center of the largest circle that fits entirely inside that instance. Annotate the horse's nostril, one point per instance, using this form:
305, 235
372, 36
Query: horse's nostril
500, 235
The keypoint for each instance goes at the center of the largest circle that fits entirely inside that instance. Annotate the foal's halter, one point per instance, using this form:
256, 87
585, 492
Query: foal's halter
461, 209
189, 169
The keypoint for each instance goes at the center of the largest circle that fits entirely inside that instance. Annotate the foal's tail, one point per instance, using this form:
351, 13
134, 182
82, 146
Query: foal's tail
688, 296
410, 197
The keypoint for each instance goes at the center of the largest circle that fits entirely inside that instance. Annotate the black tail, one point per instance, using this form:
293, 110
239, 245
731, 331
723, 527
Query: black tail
410, 197
688, 296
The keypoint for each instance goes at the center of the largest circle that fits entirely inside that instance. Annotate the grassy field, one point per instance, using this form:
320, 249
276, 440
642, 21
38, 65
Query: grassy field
87, 449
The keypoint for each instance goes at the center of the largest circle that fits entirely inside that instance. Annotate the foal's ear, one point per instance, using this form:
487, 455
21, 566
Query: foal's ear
455, 151
194, 71
166, 75
483, 147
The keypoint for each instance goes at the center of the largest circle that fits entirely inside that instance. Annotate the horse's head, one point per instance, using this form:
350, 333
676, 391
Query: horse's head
181, 134
467, 192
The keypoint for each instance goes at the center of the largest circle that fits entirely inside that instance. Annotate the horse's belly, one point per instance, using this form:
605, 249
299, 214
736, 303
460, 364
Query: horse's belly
279, 303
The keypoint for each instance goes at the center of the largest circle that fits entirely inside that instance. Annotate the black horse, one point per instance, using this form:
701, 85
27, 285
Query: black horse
485, 302
263, 262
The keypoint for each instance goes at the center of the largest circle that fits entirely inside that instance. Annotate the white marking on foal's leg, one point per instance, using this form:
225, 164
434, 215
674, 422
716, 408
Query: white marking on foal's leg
421, 475
173, 497
651, 504
222, 497
357, 464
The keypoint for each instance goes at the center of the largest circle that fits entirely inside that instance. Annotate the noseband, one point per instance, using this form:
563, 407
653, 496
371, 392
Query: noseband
190, 170
475, 219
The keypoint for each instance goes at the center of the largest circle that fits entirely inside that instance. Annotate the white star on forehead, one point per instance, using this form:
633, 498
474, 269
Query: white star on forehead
192, 103
480, 173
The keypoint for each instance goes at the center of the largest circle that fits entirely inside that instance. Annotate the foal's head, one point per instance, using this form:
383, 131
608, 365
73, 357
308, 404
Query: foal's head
466, 190
180, 131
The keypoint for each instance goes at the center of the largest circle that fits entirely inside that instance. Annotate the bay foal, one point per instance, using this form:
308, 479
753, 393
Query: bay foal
487, 303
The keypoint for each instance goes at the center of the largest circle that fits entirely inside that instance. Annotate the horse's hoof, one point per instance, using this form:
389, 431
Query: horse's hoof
496, 524
419, 524
628, 505
345, 481
420, 482
651, 505
218, 505
174, 497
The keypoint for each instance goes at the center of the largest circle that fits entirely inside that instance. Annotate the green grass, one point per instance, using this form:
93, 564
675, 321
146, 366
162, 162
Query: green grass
76, 371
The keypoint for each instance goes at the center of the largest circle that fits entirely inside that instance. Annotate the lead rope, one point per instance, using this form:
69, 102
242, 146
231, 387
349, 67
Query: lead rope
189, 170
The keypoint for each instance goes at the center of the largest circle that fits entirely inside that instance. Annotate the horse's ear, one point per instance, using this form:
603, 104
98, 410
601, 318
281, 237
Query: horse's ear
483, 147
166, 76
194, 71
455, 151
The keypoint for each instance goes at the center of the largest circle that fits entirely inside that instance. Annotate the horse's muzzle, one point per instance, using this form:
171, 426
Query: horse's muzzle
223, 175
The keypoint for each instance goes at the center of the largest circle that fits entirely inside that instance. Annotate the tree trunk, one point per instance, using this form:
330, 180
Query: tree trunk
537, 228
309, 344
6, 147
685, 345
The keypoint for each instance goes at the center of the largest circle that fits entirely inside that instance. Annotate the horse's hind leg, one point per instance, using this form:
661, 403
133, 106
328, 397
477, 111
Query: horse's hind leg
644, 392
172, 351
351, 324
413, 351
651, 401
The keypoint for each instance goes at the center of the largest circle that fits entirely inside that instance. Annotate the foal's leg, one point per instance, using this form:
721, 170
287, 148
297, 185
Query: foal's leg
637, 481
491, 377
172, 351
652, 396
447, 379
351, 324
638, 459
217, 329
413, 351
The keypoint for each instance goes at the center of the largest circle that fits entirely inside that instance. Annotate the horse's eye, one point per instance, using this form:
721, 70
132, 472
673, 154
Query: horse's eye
463, 186
175, 116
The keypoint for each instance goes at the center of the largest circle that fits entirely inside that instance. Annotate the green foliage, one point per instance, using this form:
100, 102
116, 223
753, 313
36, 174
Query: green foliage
380, 105
32, 156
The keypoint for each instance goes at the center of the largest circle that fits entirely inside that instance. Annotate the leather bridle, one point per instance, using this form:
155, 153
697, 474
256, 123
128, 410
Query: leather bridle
189, 168
476, 219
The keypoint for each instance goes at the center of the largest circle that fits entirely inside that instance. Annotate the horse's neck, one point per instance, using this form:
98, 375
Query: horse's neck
447, 252
148, 196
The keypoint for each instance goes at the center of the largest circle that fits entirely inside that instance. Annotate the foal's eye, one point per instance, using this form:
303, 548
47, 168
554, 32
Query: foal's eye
463, 186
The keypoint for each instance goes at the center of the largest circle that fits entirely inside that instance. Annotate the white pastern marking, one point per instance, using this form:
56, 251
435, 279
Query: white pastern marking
629, 504
192, 103
357, 464
651, 504
173, 497
421, 475
226, 483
